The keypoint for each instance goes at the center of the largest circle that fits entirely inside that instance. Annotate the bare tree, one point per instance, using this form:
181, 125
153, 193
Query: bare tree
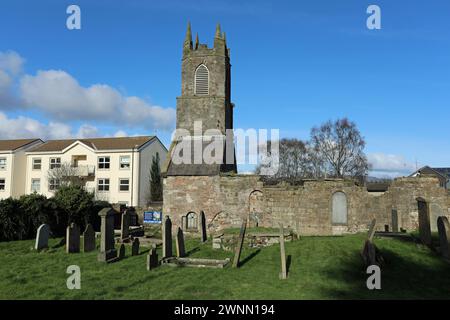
293, 160
64, 174
340, 147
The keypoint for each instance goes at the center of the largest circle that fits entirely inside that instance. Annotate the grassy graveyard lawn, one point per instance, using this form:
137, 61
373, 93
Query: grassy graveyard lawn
319, 268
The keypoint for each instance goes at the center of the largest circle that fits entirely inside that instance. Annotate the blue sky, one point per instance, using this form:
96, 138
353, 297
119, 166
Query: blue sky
295, 64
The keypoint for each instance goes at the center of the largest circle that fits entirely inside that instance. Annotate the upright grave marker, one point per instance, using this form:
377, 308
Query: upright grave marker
444, 236
203, 226
73, 238
167, 238
107, 250
181, 251
125, 225
424, 221
122, 251
283, 273
152, 259
89, 239
237, 254
42, 235
394, 220
135, 247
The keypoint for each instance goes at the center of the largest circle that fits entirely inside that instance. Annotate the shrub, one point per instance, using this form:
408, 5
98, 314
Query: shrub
12, 225
76, 204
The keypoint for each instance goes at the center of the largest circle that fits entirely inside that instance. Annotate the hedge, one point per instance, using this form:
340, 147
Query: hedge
20, 218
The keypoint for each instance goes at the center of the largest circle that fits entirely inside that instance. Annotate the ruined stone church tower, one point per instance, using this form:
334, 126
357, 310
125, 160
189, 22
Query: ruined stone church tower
205, 101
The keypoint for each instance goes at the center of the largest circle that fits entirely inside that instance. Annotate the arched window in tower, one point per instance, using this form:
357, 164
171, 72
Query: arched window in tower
202, 80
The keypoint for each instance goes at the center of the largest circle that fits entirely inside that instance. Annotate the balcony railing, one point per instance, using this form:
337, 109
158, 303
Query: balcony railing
84, 171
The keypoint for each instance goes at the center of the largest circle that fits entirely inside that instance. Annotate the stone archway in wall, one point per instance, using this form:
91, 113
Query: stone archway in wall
256, 209
189, 222
424, 221
435, 212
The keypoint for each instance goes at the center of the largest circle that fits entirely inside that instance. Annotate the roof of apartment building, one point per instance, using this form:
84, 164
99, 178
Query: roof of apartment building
442, 172
121, 143
11, 145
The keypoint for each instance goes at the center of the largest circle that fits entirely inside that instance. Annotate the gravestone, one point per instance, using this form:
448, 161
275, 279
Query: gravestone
237, 254
371, 230
444, 236
42, 235
203, 226
135, 247
424, 221
107, 250
394, 220
122, 251
283, 273
73, 238
89, 239
167, 238
125, 225
181, 251
152, 259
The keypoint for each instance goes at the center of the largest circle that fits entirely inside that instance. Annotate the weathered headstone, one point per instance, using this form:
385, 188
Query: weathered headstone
203, 226
73, 238
167, 238
371, 230
237, 254
125, 225
283, 273
89, 238
424, 221
152, 259
444, 236
369, 254
394, 220
181, 251
135, 247
42, 236
122, 251
107, 250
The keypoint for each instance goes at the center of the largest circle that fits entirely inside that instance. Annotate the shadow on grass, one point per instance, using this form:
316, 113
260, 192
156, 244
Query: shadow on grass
60, 244
193, 250
288, 263
402, 277
249, 257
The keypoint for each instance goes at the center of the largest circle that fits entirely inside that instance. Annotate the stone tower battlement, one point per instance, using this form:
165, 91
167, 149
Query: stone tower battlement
205, 85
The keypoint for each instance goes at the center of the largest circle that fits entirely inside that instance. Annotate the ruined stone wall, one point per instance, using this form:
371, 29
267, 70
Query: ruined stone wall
307, 208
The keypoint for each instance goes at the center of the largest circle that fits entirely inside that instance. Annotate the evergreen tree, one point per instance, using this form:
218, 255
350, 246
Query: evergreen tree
155, 180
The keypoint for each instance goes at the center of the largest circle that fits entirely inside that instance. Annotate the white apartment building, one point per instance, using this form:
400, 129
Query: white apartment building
116, 169
13, 160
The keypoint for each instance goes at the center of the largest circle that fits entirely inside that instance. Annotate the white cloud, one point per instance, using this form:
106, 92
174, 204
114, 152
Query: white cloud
87, 131
120, 134
11, 62
389, 165
60, 96
24, 127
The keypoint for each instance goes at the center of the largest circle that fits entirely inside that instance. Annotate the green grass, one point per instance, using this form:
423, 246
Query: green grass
320, 268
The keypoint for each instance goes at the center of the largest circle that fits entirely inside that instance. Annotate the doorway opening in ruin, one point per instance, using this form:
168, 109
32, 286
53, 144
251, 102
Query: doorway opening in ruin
436, 212
191, 222
256, 208
424, 221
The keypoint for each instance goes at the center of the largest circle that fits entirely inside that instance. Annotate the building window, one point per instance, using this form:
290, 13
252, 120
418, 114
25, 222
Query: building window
2, 163
37, 163
103, 185
339, 208
53, 184
55, 163
103, 162
202, 80
191, 221
35, 185
124, 162
2, 184
124, 184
